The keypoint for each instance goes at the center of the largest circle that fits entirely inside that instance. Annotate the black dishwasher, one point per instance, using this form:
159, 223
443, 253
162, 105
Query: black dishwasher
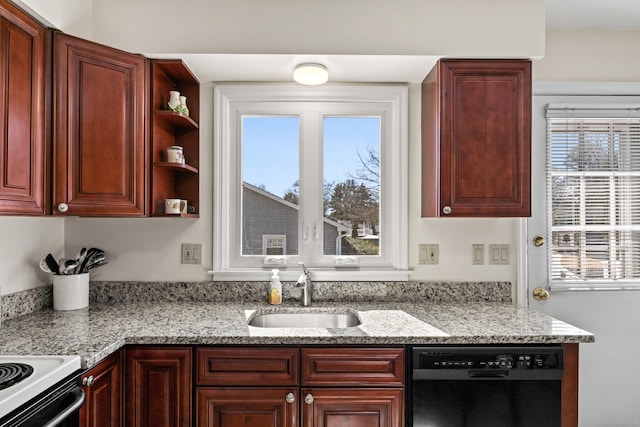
481, 386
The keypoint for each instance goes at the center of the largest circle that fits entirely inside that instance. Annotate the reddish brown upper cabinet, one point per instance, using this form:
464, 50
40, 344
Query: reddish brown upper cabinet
103, 387
24, 151
476, 139
100, 155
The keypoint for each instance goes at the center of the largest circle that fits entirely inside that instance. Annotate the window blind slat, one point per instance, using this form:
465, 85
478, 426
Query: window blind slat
593, 183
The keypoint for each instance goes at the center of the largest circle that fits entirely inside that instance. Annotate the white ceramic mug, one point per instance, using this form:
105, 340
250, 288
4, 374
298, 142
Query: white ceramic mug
183, 206
174, 154
172, 206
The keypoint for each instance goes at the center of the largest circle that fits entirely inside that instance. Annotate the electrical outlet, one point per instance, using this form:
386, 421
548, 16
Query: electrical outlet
499, 254
477, 254
428, 254
192, 253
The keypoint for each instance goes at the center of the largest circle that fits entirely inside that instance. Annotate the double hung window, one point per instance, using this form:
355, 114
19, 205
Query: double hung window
310, 175
593, 185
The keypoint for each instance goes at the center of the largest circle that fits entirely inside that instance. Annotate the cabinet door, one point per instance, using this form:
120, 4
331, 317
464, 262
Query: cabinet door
477, 139
351, 407
102, 386
99, 135
250, 407
157, 387
24, 168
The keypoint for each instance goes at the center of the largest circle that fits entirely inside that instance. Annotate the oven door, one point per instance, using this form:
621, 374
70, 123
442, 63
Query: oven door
58, 406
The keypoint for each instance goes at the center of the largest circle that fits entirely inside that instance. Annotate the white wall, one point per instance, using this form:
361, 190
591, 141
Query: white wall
23, 243
71, 16
590, 56
354, 27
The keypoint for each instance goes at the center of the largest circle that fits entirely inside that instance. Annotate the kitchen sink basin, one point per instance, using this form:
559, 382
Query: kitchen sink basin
304, 320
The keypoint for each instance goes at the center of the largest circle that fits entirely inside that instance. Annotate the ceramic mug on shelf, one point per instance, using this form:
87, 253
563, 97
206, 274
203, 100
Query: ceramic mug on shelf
174, 154
183, 206
172, 206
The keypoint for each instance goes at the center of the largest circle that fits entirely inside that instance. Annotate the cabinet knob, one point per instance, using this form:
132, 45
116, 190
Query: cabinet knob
446, 210
308, 399
290, 398
63, 207
88, 381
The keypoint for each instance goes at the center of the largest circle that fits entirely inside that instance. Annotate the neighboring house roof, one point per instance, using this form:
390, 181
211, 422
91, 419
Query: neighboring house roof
265, 193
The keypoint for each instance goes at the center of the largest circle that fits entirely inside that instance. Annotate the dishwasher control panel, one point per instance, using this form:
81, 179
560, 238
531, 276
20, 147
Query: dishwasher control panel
481, 358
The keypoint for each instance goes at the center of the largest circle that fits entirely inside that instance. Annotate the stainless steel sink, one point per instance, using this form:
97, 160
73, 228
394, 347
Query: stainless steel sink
304, 320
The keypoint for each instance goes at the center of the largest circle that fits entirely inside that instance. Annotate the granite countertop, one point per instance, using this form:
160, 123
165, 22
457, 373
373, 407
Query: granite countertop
97, 331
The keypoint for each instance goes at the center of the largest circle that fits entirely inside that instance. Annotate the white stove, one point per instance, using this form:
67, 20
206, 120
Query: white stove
47, 372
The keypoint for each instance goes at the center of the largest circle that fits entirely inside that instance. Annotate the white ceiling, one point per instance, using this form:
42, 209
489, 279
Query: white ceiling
560, 15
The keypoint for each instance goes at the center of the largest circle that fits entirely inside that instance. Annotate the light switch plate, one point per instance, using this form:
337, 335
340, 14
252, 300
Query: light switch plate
477, 254
191, 253
499, 254
428, 254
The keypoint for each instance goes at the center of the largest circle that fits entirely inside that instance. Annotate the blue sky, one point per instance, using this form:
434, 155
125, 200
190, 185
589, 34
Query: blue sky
270, 149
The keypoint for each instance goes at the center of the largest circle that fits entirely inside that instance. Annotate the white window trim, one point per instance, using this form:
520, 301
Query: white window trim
226, 96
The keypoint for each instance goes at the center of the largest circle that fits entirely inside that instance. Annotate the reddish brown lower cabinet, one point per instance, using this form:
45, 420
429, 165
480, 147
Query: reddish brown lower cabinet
570, 385
250, 407
259, 387
103, 388
158, 386
353, 407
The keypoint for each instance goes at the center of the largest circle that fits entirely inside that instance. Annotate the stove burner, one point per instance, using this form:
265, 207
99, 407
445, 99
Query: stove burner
12, 373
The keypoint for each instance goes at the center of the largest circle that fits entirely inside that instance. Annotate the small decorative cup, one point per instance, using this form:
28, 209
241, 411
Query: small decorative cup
174, 154
172, 206
70, 291
183, 206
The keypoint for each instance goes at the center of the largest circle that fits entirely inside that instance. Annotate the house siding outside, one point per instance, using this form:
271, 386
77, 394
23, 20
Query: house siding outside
264, 213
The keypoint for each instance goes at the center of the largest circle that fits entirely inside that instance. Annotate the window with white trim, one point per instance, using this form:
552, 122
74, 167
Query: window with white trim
325, 168
593, 185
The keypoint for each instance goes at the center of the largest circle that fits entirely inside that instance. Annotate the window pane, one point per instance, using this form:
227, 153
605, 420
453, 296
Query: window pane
594, 173
352, 185
270, 175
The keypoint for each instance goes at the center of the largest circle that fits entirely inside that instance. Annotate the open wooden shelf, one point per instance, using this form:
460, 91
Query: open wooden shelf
176, 119
176, 167
168, 128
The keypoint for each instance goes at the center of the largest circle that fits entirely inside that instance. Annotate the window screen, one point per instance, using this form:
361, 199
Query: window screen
593, 179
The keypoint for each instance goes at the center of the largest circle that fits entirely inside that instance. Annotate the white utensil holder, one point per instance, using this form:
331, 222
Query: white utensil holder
70, 291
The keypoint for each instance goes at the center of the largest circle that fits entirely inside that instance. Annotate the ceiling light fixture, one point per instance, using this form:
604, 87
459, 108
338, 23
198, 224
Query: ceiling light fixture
311, 74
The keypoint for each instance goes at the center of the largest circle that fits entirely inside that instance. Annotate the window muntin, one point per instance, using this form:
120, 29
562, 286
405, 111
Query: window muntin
593, 173
233, 102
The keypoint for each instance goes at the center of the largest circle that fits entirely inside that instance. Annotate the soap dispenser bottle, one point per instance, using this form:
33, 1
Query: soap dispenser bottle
275, 288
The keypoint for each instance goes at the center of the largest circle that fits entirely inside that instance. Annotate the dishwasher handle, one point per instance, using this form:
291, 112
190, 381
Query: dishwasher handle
487, 374
499, 374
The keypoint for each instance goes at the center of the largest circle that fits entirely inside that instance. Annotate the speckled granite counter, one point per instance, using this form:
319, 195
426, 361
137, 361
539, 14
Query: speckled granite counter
95, 332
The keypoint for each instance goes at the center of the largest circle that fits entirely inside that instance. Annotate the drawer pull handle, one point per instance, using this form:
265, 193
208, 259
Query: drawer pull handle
290, 398
308, 399
88, 381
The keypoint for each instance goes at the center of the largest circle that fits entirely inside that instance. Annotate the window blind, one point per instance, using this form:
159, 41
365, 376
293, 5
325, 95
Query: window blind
593, 189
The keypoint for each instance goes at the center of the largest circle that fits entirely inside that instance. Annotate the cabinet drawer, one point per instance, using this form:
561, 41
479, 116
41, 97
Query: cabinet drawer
353, 367
248, 366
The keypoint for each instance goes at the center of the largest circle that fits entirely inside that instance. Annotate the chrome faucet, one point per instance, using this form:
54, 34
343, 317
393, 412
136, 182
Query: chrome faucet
304, 283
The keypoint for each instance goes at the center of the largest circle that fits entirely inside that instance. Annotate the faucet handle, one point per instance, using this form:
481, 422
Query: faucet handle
304, 269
